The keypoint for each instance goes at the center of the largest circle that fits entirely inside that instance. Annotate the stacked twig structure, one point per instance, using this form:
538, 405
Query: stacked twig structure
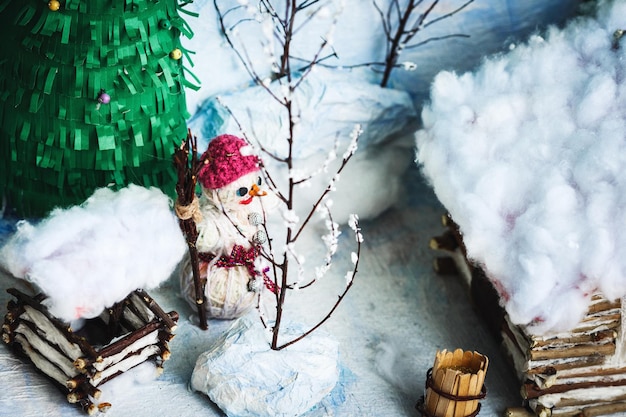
125, 335
581, 372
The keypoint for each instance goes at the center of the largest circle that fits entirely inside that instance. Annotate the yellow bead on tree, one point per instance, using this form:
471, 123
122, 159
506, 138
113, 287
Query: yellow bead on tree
176, 54
54, 5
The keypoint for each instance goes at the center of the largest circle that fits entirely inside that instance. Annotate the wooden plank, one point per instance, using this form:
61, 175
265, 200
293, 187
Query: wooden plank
464, 388
565, 364
575, 351
575, 339
530, 390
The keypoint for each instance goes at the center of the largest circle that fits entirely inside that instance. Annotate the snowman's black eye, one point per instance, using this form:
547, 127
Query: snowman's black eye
242, 191
259, 181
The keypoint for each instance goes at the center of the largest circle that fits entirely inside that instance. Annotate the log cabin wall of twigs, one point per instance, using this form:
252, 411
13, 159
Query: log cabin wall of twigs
576, 373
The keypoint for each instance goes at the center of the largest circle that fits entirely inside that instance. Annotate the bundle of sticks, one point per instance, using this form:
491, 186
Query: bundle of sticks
187, 207
123, 336
577, 373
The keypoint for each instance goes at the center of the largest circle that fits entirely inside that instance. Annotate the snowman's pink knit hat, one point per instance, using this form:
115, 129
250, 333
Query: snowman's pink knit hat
224, 162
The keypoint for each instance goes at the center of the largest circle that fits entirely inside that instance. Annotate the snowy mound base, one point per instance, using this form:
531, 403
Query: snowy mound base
245, 378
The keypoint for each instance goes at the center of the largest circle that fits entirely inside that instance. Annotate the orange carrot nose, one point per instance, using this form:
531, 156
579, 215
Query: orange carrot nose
256, 192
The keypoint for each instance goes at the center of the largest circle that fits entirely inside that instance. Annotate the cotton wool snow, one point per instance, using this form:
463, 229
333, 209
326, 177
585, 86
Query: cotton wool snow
528, 153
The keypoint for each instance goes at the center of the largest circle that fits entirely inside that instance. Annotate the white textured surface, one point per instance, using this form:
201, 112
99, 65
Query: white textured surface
245, 378
527, 154
393, 321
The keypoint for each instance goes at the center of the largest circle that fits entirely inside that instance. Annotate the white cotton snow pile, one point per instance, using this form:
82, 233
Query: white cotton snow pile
330, 104
245, 378
528, 154
88, 257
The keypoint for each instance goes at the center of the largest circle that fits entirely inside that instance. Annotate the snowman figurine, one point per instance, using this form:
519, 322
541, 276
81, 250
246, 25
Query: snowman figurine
231, 230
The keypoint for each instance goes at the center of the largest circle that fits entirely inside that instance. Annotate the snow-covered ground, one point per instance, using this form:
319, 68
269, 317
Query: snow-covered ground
392, 322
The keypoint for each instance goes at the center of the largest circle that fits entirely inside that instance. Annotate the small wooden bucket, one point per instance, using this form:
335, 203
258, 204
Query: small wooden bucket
454, 385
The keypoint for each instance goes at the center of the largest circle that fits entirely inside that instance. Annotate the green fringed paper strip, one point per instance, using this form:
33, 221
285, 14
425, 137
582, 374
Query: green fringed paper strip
57, 141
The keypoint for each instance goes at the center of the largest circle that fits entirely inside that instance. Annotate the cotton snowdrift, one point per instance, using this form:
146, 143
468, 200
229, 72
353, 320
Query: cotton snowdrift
528, 154
88, 257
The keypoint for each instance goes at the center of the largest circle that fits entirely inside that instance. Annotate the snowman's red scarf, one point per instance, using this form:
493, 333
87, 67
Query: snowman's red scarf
241, 256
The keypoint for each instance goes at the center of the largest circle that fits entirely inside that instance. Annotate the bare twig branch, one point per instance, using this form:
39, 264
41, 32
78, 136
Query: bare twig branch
287, 22
401, 24
327, 190
308, 68
332, 310
243, 56
437, 38
329, 158
307, 3
319, 61
447, 15
226, 32
385, 22
329, 254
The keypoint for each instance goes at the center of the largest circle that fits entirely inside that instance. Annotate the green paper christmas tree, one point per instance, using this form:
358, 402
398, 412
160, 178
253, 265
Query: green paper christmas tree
91, 95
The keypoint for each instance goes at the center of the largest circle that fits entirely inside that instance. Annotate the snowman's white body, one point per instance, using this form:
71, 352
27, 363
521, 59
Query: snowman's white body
226, 224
